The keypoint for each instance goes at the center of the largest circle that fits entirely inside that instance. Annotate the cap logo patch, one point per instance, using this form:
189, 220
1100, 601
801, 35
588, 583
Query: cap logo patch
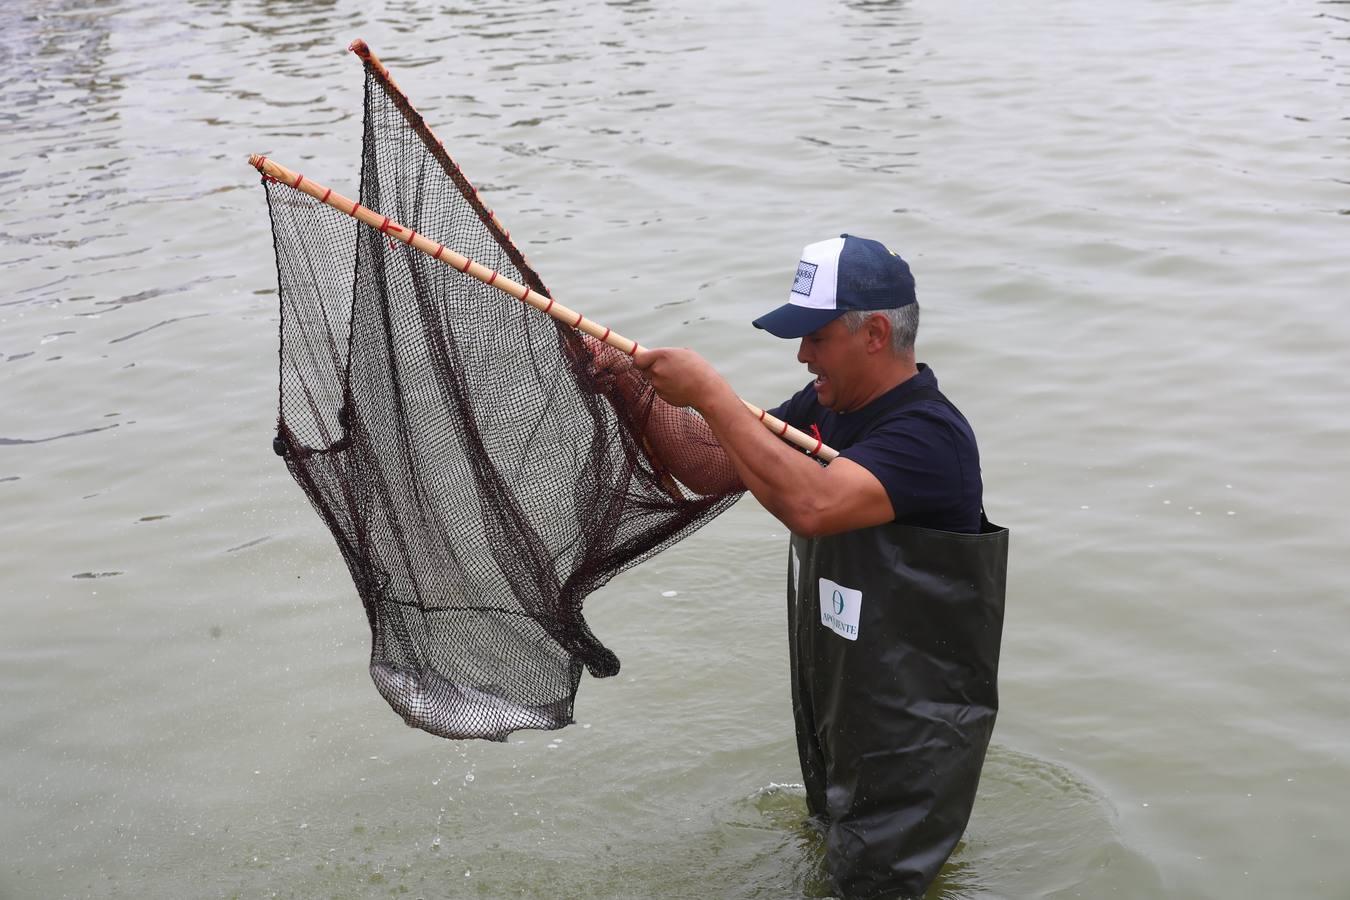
806, 276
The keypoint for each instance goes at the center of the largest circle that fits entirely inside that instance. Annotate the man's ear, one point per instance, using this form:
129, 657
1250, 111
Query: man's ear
878, 331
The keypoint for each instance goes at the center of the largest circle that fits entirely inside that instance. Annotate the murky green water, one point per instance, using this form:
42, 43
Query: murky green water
1130, 227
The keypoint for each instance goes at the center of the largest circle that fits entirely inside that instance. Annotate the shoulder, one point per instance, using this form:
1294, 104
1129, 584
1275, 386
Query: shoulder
928, 427
918, 407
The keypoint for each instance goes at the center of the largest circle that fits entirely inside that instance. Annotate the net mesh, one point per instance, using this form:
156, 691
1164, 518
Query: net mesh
480, 473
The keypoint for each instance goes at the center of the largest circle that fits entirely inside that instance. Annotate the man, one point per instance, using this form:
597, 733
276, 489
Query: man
895, 578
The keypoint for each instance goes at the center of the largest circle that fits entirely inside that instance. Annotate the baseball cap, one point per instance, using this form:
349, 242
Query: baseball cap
836, 276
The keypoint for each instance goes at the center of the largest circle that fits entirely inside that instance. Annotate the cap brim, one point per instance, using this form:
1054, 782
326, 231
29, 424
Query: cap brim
792, 321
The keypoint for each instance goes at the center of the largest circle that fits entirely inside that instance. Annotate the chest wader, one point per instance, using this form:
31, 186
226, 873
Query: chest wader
894, 636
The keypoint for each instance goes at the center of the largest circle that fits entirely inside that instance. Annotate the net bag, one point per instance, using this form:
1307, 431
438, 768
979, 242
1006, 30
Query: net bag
480, 475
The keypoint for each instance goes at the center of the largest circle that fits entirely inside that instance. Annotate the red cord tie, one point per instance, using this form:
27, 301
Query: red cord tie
815, 430
262, 161
384, 229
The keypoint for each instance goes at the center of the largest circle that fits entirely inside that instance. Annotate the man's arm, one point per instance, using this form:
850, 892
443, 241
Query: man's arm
681, 441
811, 500
686, 445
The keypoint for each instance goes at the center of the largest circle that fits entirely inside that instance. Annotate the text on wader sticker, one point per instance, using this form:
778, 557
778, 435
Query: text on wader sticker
839, 607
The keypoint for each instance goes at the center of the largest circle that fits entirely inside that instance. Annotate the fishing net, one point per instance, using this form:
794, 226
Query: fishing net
480, 473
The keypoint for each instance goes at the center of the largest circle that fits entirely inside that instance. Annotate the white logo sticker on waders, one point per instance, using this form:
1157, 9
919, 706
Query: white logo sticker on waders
839, 607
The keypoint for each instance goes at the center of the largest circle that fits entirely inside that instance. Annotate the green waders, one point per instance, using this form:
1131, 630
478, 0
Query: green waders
894, 635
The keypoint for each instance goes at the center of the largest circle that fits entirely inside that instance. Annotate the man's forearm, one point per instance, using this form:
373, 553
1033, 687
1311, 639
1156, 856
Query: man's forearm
679, 439
686, 445
810, 499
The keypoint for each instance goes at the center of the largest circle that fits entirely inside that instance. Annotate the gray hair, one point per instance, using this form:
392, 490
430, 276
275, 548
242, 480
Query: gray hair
904, 324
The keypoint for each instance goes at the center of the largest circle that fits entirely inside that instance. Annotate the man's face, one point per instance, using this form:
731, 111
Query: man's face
836, 358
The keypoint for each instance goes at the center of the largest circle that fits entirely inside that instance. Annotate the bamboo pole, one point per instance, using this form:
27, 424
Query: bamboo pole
436, 147
547, 305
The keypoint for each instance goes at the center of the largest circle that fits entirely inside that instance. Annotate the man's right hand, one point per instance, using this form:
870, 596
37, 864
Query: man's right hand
683, 378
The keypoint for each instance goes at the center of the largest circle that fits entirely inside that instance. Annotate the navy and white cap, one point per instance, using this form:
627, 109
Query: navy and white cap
836, 276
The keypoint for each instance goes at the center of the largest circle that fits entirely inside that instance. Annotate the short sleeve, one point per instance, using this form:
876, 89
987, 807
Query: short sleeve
929, 467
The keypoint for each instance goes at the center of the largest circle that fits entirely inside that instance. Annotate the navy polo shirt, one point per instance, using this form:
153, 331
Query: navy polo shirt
922, 451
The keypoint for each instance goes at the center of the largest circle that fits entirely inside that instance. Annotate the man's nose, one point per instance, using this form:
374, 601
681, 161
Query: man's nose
802, 355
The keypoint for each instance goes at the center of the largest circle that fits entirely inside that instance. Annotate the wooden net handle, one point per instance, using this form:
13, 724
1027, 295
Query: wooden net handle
279, 173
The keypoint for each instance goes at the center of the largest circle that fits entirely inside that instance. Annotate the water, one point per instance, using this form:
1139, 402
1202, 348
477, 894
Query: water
1129, 224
